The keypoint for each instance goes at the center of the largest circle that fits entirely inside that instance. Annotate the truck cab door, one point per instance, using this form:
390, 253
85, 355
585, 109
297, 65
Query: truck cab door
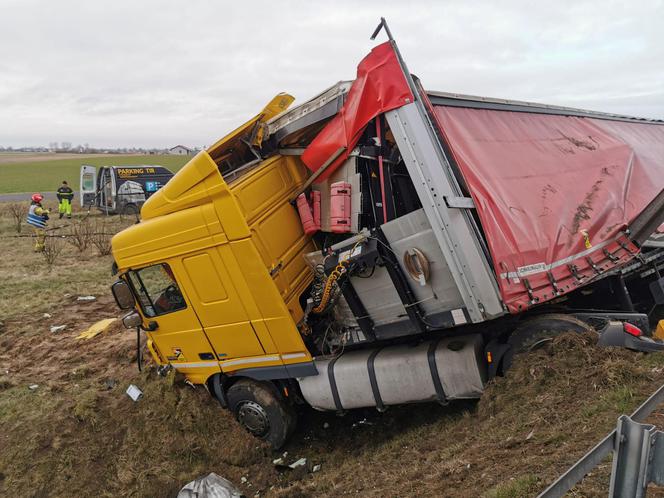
88, 183
174, 328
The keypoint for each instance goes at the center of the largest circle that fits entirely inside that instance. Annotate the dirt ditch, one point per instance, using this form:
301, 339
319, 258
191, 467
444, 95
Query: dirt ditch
78, 433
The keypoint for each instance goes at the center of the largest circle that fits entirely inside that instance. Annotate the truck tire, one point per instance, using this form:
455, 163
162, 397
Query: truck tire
261, 411
535, 332
130, 210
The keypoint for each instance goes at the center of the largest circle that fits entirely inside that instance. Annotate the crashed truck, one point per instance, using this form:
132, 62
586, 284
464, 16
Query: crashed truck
383, 244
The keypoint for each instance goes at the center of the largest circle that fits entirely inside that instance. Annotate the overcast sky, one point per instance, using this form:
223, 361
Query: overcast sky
160, 73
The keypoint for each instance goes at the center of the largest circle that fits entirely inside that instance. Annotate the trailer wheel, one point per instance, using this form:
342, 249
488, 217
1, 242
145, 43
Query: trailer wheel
538, 331
261, 411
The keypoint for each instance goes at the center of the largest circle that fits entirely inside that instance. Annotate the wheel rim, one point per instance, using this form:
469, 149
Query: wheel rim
254, 418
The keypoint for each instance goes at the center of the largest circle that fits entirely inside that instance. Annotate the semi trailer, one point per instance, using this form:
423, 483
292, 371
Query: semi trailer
383, 244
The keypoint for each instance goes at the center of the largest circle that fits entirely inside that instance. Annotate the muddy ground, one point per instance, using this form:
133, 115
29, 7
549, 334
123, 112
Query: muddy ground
79, 434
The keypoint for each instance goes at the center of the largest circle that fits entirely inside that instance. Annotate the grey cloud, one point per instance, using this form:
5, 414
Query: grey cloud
155, 73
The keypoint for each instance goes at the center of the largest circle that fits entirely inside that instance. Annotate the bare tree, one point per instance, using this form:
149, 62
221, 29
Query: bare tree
53, 246
101, 238
79, 234
17, 211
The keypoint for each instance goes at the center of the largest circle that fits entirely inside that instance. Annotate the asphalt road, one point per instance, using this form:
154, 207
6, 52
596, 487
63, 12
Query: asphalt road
49, 196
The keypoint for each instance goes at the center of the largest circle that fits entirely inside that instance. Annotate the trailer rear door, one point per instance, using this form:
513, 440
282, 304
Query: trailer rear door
88, 182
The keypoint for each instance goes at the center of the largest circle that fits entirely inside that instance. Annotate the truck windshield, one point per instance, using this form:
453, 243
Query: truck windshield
158, 292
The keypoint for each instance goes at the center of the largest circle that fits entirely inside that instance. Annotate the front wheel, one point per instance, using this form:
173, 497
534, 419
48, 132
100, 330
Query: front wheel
261, 411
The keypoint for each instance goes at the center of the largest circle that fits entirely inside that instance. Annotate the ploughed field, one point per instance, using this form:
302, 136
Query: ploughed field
78, 434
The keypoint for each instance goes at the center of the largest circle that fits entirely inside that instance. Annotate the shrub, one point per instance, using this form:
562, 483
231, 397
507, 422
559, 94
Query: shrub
101, 238
79, 235
17, 212
52, 249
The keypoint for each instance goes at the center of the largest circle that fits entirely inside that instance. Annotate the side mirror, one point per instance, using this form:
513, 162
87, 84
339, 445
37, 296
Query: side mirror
123, 295
132, 320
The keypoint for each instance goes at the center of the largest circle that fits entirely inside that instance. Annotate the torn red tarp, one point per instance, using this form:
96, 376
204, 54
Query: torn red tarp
552, 191
380, 86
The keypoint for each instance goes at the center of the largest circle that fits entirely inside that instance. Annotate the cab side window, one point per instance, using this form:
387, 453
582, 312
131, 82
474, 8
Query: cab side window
158, 292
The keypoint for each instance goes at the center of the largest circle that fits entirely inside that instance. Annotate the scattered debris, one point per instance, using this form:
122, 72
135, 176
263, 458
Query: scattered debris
57, 328
32, 387
316, 467
96, 328
298, 463
46, 315
210, 486
134, 392
279, 461
86, 298
364, 421
243, 480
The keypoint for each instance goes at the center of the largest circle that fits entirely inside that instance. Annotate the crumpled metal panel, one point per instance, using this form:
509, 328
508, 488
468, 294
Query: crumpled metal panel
554, 193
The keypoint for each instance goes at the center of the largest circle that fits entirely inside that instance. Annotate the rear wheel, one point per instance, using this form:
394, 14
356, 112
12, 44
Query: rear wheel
261, 411
537, 332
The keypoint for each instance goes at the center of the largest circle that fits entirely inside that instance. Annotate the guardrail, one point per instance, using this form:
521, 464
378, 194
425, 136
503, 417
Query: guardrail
638, 456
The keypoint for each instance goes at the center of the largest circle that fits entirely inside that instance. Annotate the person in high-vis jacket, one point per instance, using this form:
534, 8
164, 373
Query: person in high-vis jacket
65, 195
38, 218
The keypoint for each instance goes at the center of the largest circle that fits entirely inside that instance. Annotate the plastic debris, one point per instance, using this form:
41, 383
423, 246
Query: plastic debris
86, 298
298, 463
316, 468
32, 387
364, 421
278, 461
96, 328
57, 328
530, 435
210, 486
243, 480
134, 392
46, 315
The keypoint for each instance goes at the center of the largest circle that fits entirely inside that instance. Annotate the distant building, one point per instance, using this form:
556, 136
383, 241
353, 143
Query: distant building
180, 150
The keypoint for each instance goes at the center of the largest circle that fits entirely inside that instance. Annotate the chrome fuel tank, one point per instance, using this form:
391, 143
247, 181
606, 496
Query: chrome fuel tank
439, 370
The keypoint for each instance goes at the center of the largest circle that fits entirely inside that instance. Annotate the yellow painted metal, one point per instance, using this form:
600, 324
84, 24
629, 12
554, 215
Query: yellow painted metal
659, 331
277, 105
236, 251
96, 328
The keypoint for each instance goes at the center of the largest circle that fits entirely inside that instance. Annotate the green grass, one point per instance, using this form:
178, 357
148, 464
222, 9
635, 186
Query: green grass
46, 175
519, 487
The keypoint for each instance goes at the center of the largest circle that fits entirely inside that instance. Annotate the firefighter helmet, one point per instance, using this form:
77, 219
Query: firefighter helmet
37, 197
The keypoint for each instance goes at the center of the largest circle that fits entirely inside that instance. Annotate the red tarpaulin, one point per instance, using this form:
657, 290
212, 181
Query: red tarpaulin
553, 192
380, 86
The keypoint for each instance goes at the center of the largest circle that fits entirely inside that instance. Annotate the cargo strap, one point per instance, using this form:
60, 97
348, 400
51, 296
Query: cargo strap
372, 379
333, 384
433, 367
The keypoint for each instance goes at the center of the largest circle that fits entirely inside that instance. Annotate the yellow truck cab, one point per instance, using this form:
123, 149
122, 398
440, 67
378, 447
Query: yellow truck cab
338, 254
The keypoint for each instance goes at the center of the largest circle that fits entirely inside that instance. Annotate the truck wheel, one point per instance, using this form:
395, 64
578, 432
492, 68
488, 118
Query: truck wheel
130, 210
261, 411
538, 331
